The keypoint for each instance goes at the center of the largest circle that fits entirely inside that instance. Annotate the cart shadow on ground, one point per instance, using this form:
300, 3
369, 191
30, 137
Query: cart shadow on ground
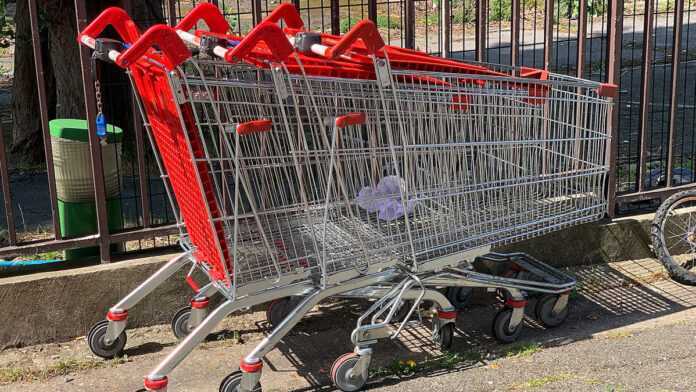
608, 296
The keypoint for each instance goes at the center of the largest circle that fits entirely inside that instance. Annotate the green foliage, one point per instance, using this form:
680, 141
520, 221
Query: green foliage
232, 18
7, 33
383, 22
501, 10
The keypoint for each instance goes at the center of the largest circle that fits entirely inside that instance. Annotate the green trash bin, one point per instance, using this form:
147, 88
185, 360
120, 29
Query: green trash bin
74, 185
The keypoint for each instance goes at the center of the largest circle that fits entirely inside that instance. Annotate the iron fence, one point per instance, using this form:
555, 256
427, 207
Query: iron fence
648, 48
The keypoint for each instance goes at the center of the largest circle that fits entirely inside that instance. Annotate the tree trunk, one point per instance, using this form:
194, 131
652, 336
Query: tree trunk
27, 144
61, 57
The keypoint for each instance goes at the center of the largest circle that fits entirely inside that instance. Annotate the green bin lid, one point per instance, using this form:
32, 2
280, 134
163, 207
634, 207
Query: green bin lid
76, 129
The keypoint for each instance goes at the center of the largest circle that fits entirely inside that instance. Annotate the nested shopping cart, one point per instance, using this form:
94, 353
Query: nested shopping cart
306, 172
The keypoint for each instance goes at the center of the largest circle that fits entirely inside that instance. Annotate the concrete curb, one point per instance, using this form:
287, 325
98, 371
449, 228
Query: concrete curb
62, 305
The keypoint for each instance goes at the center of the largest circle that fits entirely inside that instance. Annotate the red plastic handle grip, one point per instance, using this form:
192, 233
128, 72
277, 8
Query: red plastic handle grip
350, 119
118, 19
288, 14
265, 32
366, 31
207, 12
254, 126
165, 38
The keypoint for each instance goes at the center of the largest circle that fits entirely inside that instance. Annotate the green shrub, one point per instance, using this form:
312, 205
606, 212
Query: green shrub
383, 22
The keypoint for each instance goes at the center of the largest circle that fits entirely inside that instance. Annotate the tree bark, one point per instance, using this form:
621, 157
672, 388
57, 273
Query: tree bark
27, 145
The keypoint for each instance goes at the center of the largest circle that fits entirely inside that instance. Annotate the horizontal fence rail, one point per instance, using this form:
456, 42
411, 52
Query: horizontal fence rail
648, 48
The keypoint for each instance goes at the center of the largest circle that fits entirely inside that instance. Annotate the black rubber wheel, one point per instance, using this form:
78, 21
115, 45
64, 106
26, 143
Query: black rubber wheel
280, 308
339, 373
673, 233
95, 340
444, 336
232, 382
545, 314
501, 324
459, 297
180, 322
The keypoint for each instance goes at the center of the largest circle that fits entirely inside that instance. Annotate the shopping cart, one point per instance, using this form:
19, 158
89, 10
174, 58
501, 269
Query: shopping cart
416, 173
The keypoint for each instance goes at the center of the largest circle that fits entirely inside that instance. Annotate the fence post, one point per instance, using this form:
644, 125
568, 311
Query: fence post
645, 92
410, 24
515, 34
43, 109
676, 48
445, 27
481, 29
335, 17
94, 144
372, 10
582, 34
548, 33
614, 77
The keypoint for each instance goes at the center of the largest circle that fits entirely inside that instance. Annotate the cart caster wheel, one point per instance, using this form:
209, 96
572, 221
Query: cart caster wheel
545, 314
233, 381
95, 340
459, 297
444, 336
180, 322
501, 327
279, 309
343, 377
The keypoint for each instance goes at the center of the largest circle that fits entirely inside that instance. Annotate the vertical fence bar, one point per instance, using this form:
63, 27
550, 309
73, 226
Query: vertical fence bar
673, 102
171, 5
410, 24
372, 10
515, 33
445, 27
582, 35
548, 33
94, 144
43, 108
481, 29
143, 177
335, 17
6, 192
256, 10
645, 92
614, 77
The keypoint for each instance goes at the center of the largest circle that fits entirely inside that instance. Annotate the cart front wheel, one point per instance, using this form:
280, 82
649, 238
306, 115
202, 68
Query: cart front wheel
501, 327
233, 382
444, 335
95, 340
345, 375
180, 322
545, 313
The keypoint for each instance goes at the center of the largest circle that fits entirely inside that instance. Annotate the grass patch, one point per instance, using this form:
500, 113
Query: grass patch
619, 335
13, 374
448, 360
522, 349
539, 382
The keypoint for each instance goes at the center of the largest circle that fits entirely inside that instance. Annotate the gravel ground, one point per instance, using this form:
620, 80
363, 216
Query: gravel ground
630, 330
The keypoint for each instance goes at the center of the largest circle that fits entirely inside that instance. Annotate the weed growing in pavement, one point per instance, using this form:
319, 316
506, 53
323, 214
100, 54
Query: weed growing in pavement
522, 349
542, 381
63, 367
407, 368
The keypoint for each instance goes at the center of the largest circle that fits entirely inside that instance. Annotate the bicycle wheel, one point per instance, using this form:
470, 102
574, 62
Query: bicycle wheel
673, 234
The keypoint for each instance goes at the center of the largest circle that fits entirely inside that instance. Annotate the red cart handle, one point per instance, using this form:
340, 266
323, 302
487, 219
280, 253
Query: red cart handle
366, 31
165, 38
207, 12
268, 33
112, 16
288, 14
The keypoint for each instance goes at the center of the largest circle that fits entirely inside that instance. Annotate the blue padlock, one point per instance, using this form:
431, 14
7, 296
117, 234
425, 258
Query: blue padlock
101, 125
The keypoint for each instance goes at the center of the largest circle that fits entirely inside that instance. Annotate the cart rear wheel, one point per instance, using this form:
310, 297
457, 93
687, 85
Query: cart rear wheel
545, 314
180, 322
444, 336
459, 296
95, 340
233, 381
501, 327
279, 309
673, 234
342, 376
